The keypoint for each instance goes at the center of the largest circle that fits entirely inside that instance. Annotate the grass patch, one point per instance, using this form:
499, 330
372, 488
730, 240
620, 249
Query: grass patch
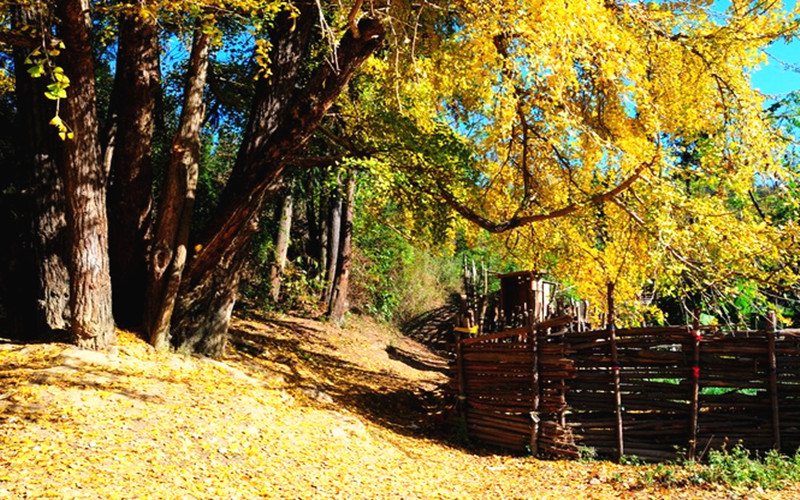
737, 468
740, 468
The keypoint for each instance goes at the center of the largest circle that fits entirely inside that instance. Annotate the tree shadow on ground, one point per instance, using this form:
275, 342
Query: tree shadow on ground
434, 328
417, 361
407, 407
9, 335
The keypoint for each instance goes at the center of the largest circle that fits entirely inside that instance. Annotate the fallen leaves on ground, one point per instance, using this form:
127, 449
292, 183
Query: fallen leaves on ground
298, 409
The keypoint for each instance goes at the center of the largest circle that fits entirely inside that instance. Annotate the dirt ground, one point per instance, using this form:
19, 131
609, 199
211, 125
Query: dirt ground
297, 409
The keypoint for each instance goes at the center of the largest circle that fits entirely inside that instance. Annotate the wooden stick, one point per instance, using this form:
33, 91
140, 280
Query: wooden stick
533, 338
773, 380
612, 331
550, 323
494, 336
462, 384
695, 397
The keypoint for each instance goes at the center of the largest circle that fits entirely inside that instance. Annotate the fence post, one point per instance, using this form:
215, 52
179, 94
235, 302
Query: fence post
695, 401
462, 385
773, 380
533, 337
612, 332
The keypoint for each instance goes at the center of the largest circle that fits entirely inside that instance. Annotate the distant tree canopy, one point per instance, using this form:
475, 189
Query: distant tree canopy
604, 141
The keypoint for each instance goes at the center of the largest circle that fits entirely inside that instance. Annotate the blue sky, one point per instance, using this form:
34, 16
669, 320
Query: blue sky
775, 78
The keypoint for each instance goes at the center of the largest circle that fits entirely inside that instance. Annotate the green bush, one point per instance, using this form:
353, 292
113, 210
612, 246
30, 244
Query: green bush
739, 468
736, 468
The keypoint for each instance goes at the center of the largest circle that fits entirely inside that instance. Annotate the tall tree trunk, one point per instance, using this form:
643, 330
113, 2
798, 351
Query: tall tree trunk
169, 248
313, 245
338, 304
38, 147
136, 85
323, 239
84, 186
281, 244
334, 235
283, 117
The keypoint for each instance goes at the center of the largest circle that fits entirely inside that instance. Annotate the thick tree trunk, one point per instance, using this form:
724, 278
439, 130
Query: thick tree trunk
334, 235
283, 117
203, 309
169, 247
338, 304
281, 245
136, 85
84, 186
38, 148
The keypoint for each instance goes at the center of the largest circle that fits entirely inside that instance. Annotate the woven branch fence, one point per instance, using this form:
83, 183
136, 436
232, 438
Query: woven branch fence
648, 392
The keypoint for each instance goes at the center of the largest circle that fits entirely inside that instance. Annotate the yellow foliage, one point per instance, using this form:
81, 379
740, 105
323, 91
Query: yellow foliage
578, 114
6, 82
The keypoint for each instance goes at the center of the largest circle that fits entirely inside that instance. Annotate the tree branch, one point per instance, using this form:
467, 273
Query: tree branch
17, 40
352, 18
522, 220
263, 160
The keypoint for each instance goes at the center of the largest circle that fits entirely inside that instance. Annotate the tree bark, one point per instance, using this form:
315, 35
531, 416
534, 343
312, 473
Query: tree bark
167, 258
84, 186
334, 235
338, 304
283, 117
136, 85
38, 150
281, 245
323, 240
313, 249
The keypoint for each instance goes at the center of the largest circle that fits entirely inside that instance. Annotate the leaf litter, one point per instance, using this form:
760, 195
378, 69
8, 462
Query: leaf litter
296, 409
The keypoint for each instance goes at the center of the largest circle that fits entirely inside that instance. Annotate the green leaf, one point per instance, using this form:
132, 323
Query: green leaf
55, 91
36, 71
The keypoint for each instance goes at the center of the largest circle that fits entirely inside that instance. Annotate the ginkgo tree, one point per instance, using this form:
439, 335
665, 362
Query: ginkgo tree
578, 116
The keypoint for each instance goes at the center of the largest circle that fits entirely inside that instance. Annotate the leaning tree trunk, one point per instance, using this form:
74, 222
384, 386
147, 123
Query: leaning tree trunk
47, 287
281, 245
283, 117
84, 186
133, 98
338, 304
167, 258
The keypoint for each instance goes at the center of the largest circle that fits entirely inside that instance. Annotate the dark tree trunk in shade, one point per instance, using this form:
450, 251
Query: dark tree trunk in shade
338, 304
84, 186
323, 240
313, 246
283, 116
129, 148
43, 278
334, 236
169, 252
281, 244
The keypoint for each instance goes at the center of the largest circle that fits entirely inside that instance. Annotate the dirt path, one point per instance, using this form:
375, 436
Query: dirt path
298, 409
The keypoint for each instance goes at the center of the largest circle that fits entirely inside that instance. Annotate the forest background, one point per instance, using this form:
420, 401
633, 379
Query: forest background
170, 155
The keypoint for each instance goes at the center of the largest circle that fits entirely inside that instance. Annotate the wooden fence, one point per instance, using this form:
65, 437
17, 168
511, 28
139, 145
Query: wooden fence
649, 392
